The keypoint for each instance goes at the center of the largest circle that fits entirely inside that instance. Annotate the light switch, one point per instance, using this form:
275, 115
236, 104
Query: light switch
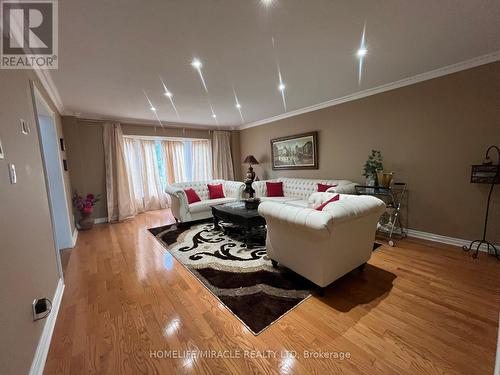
25, 129
12, 174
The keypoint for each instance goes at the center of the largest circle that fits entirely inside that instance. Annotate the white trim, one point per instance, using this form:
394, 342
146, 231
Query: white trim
87, 117
100, 220
50, 88
497, 362
443, 239
75, 236
477, 61
45, 79
42, 349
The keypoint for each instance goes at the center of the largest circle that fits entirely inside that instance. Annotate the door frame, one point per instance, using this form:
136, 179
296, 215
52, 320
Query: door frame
38, 99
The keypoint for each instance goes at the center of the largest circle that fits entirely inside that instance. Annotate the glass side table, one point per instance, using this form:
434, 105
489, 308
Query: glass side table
389, 223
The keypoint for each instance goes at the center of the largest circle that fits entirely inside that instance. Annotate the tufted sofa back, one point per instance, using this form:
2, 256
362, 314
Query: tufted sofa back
296, 187
199, 186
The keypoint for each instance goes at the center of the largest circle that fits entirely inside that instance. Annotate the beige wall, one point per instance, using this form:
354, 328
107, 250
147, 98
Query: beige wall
236, 154
28, 267
429, 133
86, 152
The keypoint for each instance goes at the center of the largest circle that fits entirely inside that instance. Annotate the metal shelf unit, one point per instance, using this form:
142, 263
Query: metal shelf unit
389, 224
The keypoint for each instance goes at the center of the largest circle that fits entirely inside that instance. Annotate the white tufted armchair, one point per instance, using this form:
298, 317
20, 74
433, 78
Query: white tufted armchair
182, 211
322, 245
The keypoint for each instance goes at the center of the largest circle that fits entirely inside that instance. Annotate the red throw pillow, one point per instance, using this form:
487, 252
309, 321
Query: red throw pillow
192, 196
274, 189
215, 191
322, 187
323, 205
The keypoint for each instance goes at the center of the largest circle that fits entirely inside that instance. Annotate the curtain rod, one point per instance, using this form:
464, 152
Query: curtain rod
163, 138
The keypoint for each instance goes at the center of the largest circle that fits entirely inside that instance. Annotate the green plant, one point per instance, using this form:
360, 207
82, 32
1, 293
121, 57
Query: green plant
373, 164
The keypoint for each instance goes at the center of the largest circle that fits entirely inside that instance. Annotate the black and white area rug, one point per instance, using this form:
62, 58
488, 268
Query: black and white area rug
242, 279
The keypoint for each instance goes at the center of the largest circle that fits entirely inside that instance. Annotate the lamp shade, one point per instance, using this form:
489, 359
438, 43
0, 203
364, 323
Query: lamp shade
250, 159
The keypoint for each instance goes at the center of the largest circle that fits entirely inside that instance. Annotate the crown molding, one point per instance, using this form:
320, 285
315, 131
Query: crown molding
132, 121
49, 86
467, 64
45, 79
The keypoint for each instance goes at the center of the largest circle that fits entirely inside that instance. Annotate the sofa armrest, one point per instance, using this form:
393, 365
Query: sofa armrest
352, 207
305, 218
260, 188
178, 193
348, 208
174, 190
234, 189
343, 189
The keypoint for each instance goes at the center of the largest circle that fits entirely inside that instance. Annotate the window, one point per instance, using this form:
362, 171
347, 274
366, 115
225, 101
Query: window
176, 160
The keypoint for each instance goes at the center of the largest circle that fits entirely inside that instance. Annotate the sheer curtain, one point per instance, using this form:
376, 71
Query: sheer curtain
201, 160
119, 194
222, 160
173, 154
137, 169
142, 165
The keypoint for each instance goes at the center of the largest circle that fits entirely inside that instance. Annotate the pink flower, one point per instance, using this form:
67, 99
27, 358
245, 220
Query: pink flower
87, 210
90, 197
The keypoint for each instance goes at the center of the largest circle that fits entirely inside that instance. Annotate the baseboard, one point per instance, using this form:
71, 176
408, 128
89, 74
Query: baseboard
497, 361
100, 220
75, 237
444, 239
42, 349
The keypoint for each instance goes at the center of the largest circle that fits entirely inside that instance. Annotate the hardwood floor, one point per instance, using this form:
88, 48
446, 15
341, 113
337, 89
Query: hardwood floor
419, 307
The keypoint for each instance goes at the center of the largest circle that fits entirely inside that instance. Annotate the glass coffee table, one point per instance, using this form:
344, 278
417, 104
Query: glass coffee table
248, 221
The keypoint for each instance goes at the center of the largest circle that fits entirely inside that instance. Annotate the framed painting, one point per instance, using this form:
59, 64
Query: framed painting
295, 152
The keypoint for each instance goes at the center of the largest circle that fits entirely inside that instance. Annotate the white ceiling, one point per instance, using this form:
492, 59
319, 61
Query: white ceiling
111, 50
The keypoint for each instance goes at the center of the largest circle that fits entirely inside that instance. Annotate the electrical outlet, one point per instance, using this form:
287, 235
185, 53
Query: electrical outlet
12, 174
41, 308
25, 129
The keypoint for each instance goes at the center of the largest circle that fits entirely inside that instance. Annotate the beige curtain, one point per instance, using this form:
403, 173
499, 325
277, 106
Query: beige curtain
173, 153
119, 195
142, 166
222, 160
201, 160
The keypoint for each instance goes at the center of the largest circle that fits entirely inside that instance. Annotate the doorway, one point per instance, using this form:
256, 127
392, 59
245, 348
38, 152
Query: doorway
54, 174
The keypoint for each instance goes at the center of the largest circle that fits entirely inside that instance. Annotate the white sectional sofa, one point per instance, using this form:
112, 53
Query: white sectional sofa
323, 245
297, 191
182, 211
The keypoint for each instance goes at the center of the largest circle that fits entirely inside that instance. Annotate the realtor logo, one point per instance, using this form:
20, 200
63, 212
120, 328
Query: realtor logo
29, 34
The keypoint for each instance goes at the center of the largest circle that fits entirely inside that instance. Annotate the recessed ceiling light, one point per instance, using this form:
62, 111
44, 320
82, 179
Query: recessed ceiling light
153, 109
238, 105
196, 63
281, 87
362, 52
169, 95
214, 115
266, 2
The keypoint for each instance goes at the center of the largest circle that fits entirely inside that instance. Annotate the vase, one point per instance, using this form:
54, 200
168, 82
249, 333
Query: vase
384, 178
86, 222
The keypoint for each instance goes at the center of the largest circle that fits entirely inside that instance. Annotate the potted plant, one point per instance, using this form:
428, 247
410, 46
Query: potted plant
85, 205
372, 165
